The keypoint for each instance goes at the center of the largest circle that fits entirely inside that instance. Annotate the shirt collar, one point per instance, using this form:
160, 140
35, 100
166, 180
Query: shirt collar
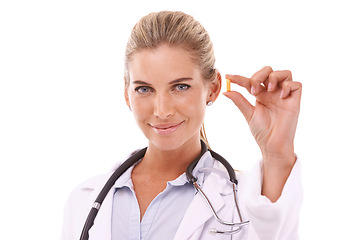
125, 179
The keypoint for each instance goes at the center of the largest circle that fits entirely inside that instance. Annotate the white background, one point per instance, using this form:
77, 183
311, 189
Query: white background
63, 117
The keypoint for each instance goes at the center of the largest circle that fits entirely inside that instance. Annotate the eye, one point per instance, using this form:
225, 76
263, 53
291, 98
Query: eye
182, 87
143, 89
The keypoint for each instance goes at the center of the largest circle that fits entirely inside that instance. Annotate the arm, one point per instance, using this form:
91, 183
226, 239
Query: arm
278, 220
275, 176
272, 121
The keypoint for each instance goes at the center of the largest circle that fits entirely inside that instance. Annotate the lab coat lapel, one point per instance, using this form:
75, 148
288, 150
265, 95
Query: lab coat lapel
101, 230
199, 211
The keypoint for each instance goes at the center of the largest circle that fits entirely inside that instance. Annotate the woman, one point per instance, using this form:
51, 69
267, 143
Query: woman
169, 80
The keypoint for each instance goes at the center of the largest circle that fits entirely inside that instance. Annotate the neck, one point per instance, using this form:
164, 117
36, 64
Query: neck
169, 164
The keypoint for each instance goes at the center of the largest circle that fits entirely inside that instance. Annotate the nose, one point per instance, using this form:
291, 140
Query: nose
163, 106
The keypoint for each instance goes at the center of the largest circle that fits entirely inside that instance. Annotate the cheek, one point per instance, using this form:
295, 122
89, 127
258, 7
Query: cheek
140, 108
195, 106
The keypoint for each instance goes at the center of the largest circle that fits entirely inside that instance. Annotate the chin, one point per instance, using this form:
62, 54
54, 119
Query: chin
166, 144
171, 143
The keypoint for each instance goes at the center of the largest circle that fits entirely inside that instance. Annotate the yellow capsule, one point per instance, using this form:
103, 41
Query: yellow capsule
228, 85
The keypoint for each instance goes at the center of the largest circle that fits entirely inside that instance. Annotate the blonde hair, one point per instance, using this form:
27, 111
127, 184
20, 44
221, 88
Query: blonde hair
176, 29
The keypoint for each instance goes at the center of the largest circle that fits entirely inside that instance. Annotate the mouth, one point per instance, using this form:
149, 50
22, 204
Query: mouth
166, 129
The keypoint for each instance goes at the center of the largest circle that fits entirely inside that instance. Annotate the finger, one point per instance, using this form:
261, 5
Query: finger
239, 80
241, 102
277, 77
288, 88
258, 78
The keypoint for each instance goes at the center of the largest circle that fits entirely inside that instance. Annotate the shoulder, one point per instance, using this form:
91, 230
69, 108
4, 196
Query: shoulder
78, 206
88, 185
80, 201
81, 191
81, 197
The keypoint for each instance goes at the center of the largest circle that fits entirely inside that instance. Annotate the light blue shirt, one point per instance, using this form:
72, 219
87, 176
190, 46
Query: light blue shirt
164, 214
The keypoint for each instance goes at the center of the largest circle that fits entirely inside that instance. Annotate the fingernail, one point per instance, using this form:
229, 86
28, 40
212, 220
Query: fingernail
282, 94
253, 90
269, 88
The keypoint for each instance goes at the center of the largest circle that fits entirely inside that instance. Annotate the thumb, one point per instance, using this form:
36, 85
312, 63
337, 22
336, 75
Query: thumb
241, 102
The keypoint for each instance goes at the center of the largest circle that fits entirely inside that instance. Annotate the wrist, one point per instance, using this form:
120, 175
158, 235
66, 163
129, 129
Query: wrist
276, 170
279, 159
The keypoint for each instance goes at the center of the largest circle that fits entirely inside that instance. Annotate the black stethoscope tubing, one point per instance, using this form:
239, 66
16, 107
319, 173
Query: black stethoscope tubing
130, 162
230, 170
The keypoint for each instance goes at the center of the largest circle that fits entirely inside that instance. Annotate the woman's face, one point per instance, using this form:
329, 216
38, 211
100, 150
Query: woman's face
167, 96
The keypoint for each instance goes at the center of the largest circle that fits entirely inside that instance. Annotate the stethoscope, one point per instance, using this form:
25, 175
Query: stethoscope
193, 180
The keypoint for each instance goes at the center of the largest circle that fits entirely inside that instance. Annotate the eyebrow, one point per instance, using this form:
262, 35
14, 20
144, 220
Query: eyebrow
171, 82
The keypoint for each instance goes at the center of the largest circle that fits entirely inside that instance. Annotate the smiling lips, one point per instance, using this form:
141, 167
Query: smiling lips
165, 129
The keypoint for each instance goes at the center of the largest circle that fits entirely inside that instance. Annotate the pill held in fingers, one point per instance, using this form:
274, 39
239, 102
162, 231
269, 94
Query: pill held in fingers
228, 85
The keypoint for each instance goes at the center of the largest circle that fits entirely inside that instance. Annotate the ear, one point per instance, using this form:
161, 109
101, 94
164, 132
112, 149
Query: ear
215, 87
127, 99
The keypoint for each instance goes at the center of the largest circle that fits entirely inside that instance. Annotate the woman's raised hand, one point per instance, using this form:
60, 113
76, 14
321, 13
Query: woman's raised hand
273, 119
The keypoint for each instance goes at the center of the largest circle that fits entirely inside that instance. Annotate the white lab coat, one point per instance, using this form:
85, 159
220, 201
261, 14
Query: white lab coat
268, 220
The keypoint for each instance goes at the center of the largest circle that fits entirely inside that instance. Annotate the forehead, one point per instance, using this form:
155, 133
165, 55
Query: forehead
163, 62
